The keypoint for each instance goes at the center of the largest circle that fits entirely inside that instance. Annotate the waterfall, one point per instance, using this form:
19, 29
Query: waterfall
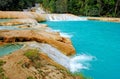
53, 53
64, 17
74, 64
80, 62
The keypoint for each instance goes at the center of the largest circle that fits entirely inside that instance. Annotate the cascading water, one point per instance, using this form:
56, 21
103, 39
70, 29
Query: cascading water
64, 17
80, 62
74, 64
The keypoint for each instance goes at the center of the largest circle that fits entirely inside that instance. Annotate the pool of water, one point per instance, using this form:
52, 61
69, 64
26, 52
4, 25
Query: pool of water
9, 48
14, 27
96, 38
5, 20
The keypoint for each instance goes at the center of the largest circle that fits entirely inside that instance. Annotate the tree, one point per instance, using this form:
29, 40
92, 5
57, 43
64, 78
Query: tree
52, 6
61, 6
110, 8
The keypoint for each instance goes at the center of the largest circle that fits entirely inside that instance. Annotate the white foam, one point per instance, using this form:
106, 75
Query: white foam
64, 17
80, 62
74, 64
66, 35
56, 30
53, 53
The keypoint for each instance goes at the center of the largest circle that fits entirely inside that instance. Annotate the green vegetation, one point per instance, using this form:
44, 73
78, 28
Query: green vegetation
82, 76
30, 77
1, 70
2, 62
32, 54
79, 74
2, 74
110, 8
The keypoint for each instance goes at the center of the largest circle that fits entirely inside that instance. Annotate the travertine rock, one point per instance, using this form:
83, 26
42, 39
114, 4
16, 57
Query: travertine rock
21, 15
61, 43
18, 22
104, 19
15, 68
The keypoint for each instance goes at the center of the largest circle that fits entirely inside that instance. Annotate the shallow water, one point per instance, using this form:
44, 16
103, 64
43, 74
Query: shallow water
5, 20
96, 38
9, 48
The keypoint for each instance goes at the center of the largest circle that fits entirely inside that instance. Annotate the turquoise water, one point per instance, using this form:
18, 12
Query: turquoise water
96, 38
5, 20
9, 48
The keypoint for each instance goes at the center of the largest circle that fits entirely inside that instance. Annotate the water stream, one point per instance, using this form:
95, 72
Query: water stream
74, 64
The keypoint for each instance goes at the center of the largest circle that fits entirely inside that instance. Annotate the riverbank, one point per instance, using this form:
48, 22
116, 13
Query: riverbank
104, 19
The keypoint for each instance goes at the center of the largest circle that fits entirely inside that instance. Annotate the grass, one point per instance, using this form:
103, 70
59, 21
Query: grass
30, 77
82, 76
32, 54
2, 74
2, 62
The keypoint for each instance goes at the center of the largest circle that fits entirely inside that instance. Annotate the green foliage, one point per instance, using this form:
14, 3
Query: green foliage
79, 7
52, 6
82, 76
1, 70
2, 62
2, 75
78, 74
30, 77
32, 54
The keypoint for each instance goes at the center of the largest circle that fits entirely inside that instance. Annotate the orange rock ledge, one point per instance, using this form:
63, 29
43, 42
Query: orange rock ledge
61, 43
